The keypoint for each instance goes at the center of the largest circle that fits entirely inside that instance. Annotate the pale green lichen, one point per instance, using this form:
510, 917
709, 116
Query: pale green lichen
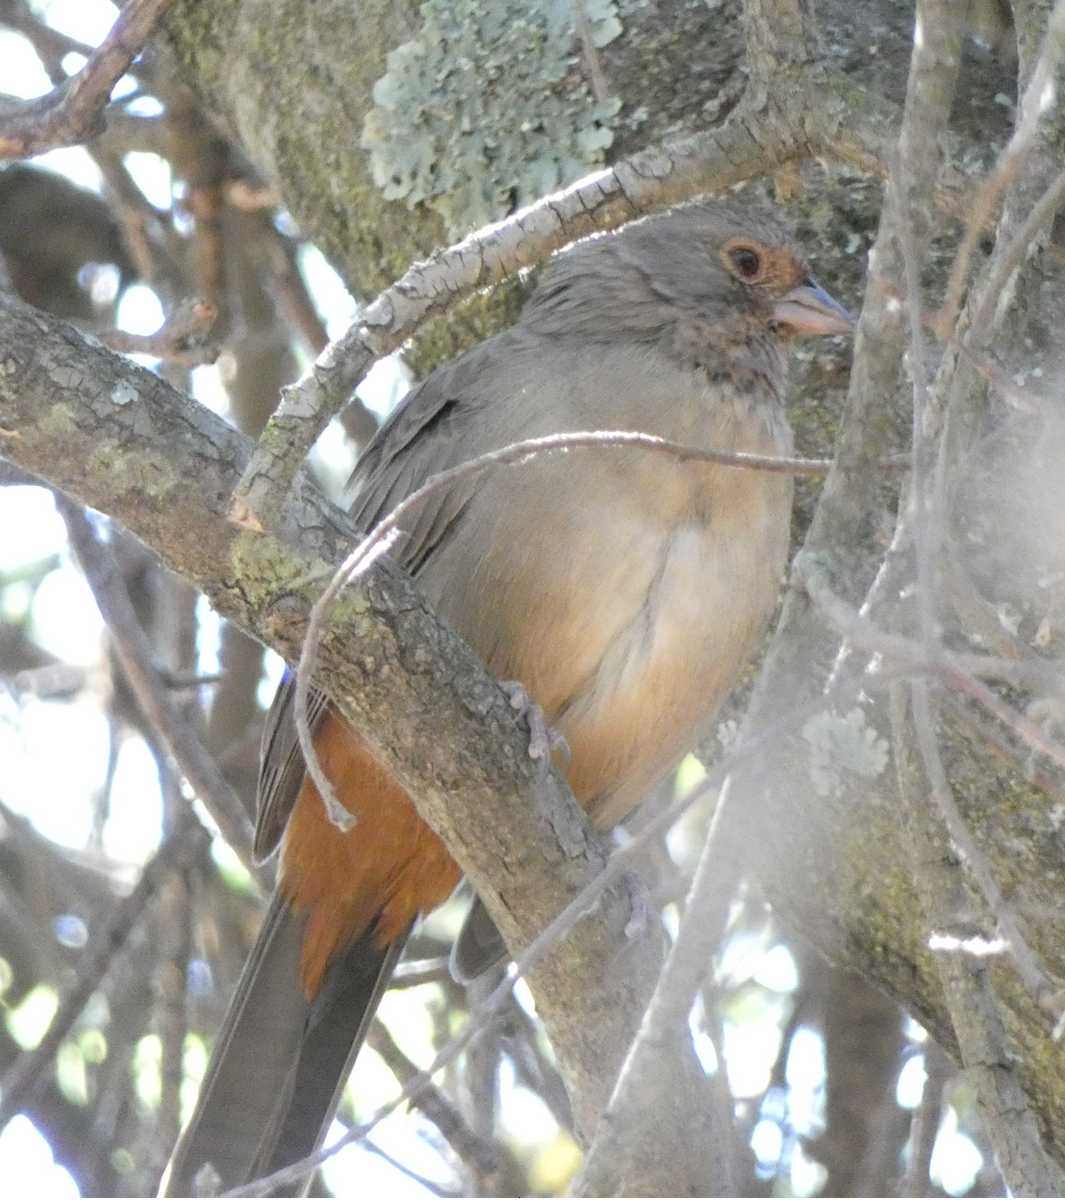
842, 743
142, 470
59, 422
489, 108
265, 568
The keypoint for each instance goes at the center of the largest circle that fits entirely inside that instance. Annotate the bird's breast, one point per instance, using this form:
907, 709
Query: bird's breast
625, 589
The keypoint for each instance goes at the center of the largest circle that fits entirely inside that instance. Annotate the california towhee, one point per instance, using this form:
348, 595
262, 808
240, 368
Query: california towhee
624, 590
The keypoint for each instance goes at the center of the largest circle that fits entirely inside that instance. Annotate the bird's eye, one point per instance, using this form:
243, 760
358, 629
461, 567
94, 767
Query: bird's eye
745, 262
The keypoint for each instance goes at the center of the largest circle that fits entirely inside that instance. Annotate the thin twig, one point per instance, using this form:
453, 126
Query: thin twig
923, 529
930, 89
690, 957
173, 928
419, 971
385, 532
180, 339
430, 1186
151, 690
482, 1155
600, 86
957, 671
51, 45
1010, 162
174, 854
1016, 397
924, 1124
180, 680
72, 112
988, 734
1011, 257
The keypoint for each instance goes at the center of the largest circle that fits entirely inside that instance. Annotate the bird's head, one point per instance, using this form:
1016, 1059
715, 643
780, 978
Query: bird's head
721, 287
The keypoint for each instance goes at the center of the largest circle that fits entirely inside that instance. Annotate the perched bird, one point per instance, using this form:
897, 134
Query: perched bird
624, 590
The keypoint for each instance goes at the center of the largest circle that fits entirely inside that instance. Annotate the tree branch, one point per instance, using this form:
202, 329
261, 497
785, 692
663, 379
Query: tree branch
121, 440
72, 112
20, 1081
135, 654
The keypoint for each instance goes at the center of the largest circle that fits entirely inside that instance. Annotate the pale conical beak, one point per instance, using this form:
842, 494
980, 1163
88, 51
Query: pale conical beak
811, 310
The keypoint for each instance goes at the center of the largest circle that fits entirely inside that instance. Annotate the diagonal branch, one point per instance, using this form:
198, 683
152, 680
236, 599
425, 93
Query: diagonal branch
122, 440
746, 146
151, 690
175, 853
73, 111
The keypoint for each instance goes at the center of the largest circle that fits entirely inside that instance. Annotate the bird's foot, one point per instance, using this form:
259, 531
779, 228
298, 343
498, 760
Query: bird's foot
544, 739
642, 909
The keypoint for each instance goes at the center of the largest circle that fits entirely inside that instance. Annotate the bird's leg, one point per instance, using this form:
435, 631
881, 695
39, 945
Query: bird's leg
643, 908
544, 740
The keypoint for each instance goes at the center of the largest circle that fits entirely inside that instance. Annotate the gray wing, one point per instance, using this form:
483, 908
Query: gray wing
430, 431
436, 427
281, 764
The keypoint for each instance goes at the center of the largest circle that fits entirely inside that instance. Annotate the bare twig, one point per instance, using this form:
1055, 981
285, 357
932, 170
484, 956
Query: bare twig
619, 1156
924, 1124
991, 736
1010, 163
419, 971
22, 1078
180, 339
930, 88
51, 45
180, 680
481, 1154
1013, 254
151, 690
73, 111
1016, 397
152, 241
600, 86
173, 926
926, 511
1024, 728
957, 671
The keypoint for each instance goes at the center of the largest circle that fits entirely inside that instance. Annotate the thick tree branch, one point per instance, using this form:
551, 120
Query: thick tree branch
121, 440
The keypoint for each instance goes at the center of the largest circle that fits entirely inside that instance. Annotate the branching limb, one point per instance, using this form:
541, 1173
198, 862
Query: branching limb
73, 111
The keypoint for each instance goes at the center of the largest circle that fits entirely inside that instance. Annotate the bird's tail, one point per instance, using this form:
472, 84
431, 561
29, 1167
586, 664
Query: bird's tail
281, 1061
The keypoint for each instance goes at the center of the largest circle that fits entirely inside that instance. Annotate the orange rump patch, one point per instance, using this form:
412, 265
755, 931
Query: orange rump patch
386, 871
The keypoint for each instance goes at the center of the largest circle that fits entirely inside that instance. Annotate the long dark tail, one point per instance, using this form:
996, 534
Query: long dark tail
280, 1064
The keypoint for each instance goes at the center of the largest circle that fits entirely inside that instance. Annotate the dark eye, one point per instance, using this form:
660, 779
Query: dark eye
746, 262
